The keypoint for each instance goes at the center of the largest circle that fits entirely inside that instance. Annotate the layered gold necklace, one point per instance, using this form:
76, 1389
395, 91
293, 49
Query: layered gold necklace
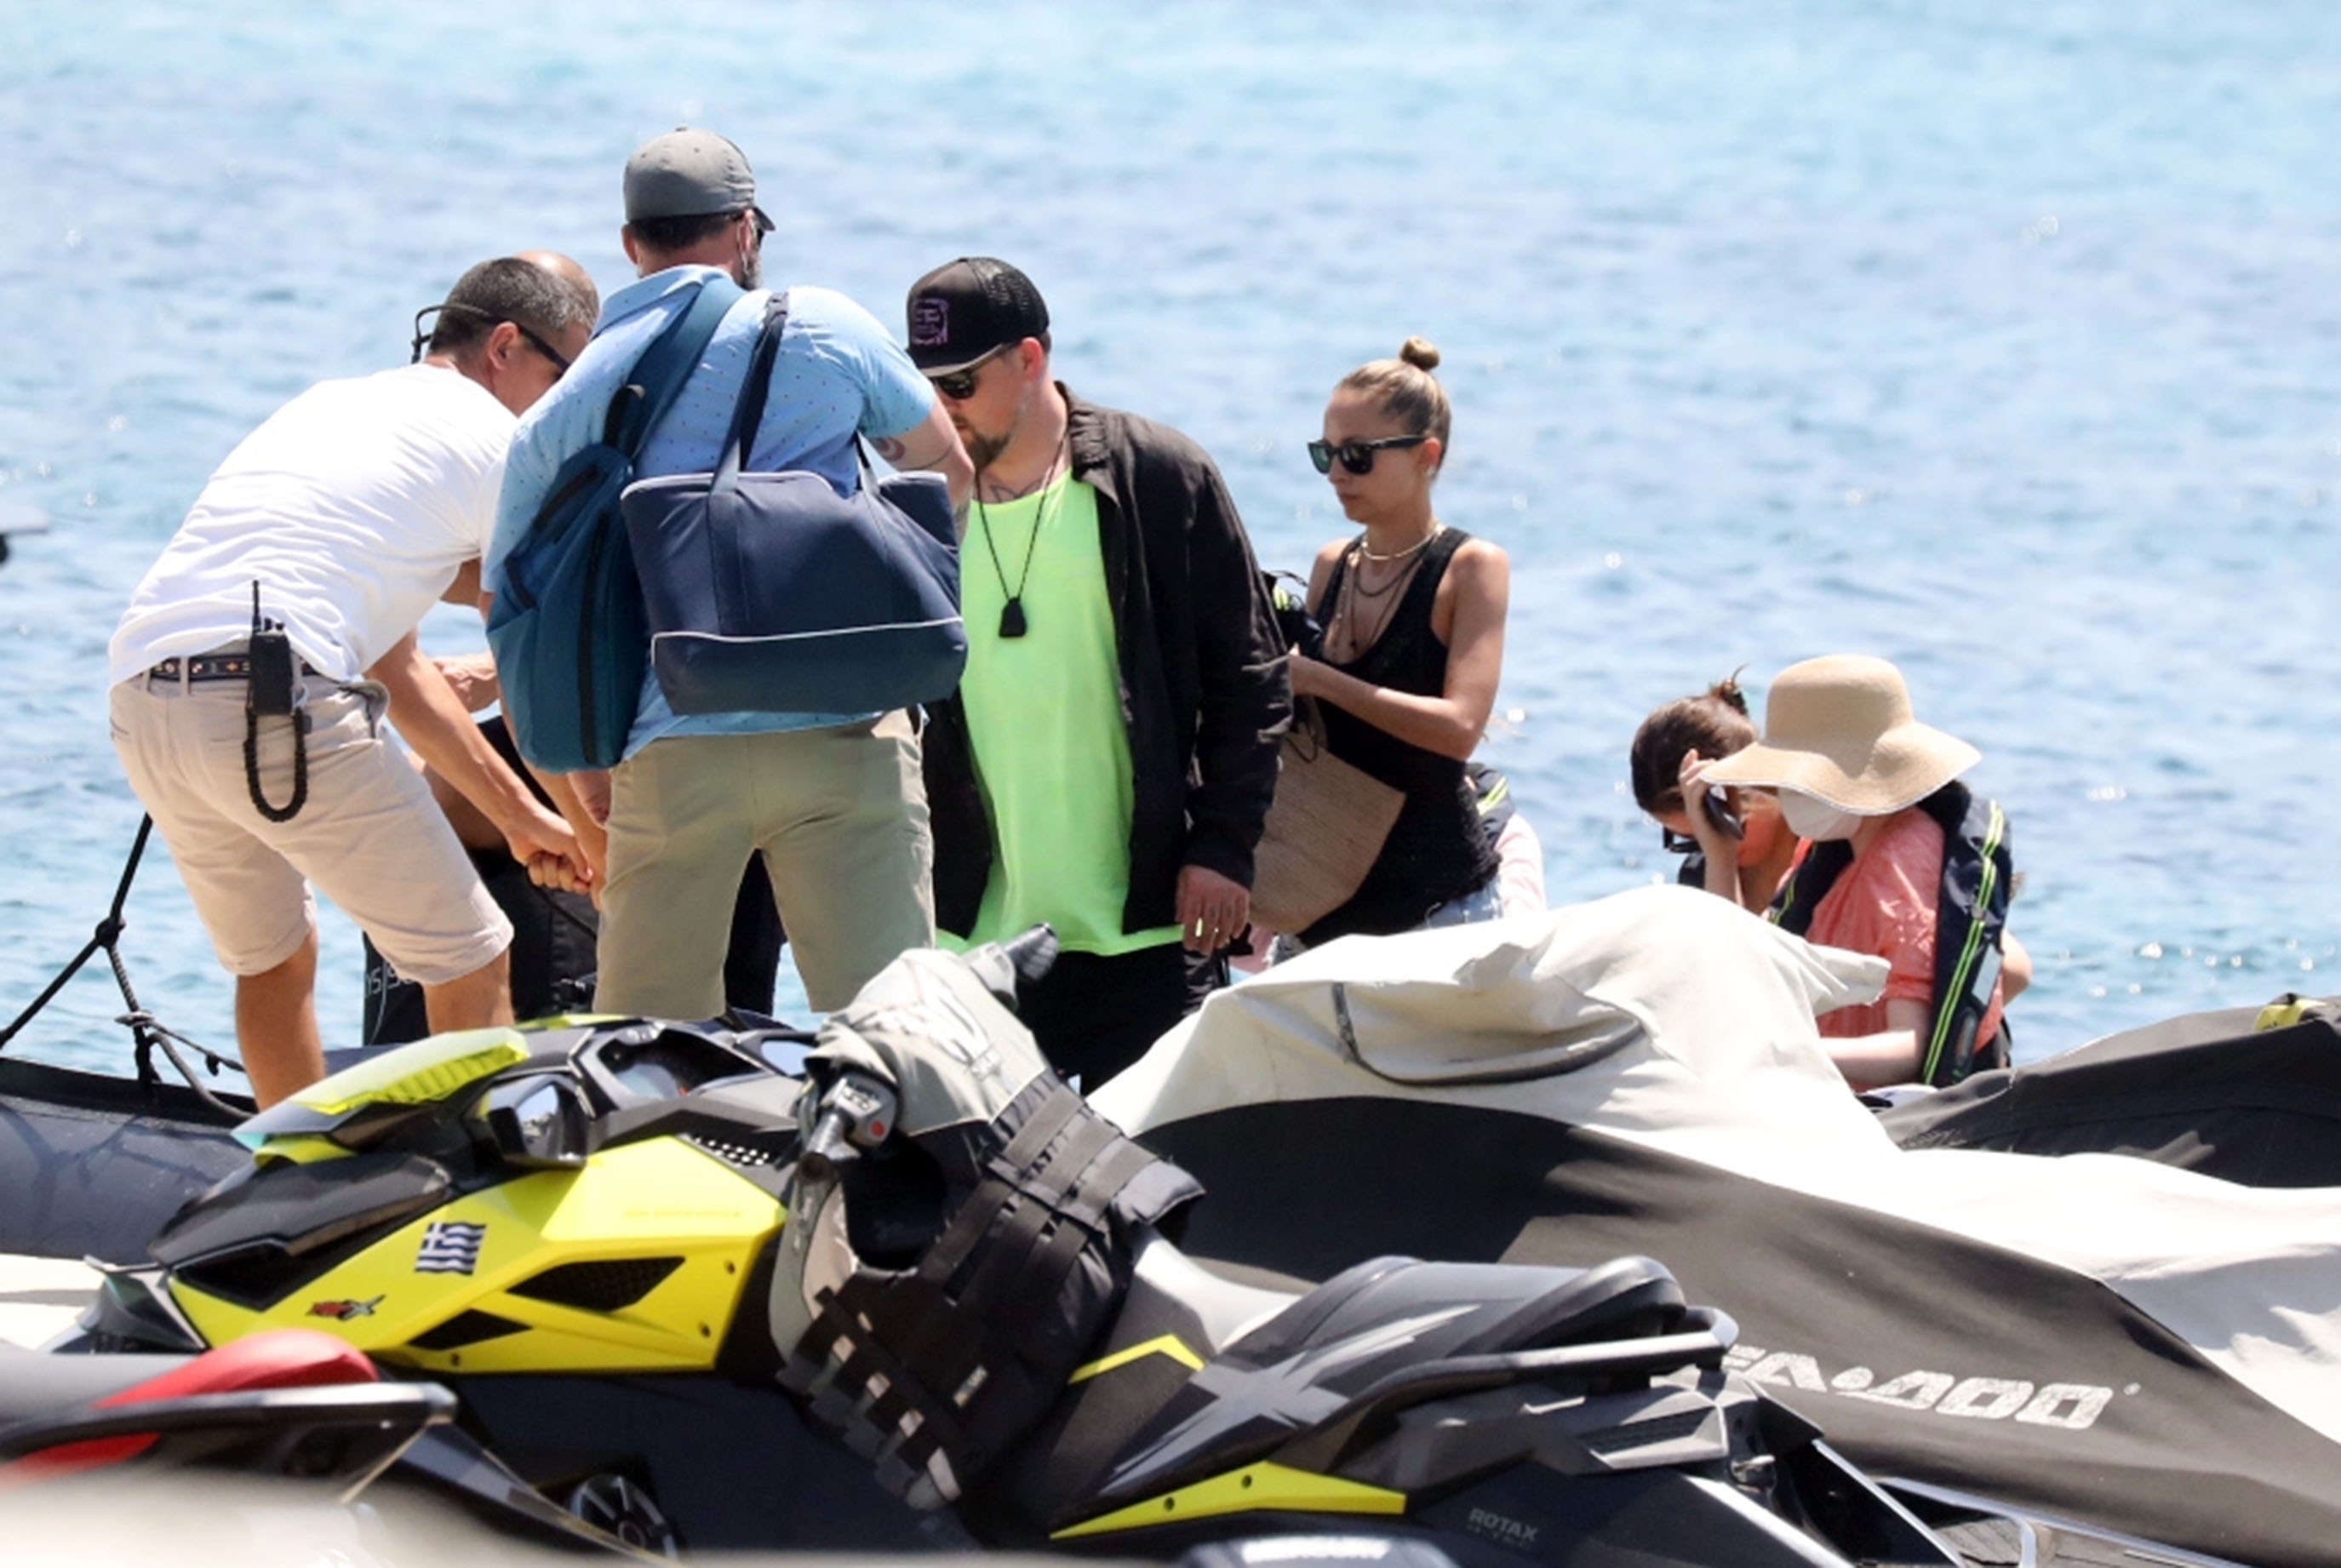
1353, 589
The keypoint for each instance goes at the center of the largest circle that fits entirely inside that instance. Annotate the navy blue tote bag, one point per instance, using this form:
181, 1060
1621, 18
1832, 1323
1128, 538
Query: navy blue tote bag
567, 627
771, 593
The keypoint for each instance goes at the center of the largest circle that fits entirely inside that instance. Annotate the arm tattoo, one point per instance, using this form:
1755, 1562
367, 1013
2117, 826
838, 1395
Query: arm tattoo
891, 449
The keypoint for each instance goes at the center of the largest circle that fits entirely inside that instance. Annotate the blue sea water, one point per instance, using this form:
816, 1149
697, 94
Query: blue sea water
1996, 338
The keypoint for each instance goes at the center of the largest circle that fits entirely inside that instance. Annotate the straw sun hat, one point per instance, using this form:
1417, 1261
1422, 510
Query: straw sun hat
1839, 728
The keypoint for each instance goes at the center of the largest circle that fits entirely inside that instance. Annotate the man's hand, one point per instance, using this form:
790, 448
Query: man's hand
1214, 910
543, 844
594, 850
584, 798
425, 708
474, 678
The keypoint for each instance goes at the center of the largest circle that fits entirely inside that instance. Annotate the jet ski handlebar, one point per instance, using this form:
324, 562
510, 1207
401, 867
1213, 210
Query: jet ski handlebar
1706, 1334
856, 1113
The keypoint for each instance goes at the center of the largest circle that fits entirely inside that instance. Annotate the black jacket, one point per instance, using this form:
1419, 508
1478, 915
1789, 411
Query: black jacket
1205, 694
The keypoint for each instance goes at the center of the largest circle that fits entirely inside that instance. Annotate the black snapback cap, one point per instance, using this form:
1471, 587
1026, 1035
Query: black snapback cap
964, 309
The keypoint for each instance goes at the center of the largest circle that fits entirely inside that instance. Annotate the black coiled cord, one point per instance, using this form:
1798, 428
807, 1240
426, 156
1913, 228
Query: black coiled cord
292, 809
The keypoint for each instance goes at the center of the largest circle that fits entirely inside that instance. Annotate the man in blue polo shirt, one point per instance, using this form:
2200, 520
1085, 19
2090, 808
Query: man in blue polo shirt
833, 802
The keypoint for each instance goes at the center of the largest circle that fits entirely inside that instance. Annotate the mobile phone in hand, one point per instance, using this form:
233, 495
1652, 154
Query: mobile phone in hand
1717, 806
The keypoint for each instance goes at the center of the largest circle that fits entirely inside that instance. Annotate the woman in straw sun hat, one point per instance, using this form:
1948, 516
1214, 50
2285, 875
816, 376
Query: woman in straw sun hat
1900, 857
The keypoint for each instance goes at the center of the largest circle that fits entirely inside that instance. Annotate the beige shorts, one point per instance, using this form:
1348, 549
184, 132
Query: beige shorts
370, 838
840, 815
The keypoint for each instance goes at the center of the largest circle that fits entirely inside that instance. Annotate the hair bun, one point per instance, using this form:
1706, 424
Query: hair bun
1729, 691
1419, 353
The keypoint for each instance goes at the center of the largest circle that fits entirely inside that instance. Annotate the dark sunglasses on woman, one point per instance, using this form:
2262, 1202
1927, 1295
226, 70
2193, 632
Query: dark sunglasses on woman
1358, 456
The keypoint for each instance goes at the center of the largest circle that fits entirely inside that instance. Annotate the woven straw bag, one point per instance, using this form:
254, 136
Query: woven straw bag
1324, 831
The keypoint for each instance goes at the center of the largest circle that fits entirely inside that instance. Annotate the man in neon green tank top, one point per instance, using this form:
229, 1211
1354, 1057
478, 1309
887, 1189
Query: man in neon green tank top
1110, 754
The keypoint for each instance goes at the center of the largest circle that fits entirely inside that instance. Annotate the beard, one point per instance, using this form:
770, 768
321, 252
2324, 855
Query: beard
750, 274
984, 451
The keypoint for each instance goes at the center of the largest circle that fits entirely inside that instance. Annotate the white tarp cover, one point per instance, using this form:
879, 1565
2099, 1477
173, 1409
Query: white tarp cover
1719, 1062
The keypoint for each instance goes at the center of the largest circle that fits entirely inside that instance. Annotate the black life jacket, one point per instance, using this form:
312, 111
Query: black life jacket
1494, 791
1970, 916
934, 1367
933, 1293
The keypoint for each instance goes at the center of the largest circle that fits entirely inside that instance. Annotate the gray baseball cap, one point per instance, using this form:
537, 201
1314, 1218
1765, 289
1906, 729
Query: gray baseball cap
688, 174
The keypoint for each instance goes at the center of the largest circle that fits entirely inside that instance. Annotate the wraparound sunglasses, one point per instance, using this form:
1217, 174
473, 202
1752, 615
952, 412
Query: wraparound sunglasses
959, 385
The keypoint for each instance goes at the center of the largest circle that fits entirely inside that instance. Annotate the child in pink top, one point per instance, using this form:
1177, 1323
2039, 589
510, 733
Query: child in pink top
1885, 905
1848, 762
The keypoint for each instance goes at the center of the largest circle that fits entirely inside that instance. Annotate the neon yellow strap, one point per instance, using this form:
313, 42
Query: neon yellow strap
2279, 1016
1168, 1345
1947, 1007
1255, 1486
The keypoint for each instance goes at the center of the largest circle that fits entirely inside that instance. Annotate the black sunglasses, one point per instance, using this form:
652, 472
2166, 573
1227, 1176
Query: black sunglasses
422, 333
1358, 456
559, 360
959, 385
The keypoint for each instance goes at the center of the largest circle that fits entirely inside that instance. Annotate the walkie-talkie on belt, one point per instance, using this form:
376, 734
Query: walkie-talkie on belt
272, 689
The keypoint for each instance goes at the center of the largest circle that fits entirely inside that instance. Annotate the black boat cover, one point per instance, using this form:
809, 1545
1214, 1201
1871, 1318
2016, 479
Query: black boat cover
2250, 1094
2102, 1338
91, 1166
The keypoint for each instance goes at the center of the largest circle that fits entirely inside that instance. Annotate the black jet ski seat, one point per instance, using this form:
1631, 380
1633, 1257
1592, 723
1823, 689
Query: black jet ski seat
1381, 1335
1170, 1292
1398, 1310
1201, 1374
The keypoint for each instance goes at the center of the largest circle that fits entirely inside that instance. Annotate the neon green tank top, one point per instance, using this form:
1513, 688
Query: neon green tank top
1044, 715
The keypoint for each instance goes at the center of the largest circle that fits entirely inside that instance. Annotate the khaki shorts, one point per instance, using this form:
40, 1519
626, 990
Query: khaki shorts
371, 837
840, 815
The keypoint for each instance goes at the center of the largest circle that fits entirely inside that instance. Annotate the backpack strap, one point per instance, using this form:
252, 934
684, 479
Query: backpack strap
636, 407
1971, 915
1793, 905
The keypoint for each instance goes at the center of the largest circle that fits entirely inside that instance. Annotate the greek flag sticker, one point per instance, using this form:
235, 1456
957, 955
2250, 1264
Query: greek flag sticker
450, 1247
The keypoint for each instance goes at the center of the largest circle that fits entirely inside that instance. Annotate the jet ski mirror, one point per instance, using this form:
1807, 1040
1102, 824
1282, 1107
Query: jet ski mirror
539, 1121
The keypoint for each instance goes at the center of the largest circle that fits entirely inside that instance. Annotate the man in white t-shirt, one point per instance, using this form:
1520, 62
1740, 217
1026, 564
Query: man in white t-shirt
353, 509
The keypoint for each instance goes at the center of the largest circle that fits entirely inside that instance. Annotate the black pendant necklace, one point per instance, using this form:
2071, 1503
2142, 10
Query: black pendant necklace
1013, 624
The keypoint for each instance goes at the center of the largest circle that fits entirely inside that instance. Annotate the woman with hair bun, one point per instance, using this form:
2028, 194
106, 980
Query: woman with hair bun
1735, 844
1413, 618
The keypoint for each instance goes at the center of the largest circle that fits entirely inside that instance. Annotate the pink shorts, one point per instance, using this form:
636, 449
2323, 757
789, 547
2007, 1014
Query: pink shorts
370, 838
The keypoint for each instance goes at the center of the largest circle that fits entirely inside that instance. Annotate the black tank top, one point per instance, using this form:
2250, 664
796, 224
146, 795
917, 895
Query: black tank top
1437, 850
